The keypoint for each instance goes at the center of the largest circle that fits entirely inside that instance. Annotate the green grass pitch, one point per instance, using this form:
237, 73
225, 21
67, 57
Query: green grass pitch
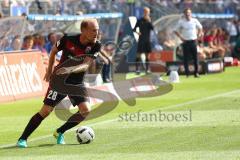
213, 132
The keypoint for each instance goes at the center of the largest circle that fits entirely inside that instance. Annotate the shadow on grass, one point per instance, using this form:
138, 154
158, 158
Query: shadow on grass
15, 147
41, 145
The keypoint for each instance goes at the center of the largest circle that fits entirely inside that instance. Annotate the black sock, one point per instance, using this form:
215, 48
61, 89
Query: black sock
34, 122
137, 63
147, 65
73, 121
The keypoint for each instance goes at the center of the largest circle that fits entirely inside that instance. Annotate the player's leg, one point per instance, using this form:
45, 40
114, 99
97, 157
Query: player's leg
195, 58
75, 119
106, 73
137, 61
33, 124
147, 70
147, 50
51, 99
138, 56
186, 51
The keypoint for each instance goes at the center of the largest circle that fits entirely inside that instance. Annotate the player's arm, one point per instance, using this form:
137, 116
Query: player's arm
88, 61
105, 57
82, 67
199, 30
77, 68
176, 30
179, 35
52, 58
105, 60
93, 53
200, 34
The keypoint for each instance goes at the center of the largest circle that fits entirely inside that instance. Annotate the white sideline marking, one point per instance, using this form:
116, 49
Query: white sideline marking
112, 120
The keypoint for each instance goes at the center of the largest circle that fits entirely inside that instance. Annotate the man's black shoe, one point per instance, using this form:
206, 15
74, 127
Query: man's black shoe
196, 75
137, 72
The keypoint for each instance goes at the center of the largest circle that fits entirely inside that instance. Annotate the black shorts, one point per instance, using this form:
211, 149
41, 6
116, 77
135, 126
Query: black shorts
144, 46
52, 98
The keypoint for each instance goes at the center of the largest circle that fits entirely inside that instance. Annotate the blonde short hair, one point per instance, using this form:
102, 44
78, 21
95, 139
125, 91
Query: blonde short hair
85, 23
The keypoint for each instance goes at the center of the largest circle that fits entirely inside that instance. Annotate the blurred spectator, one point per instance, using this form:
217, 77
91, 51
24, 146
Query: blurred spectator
204, 52
39, 43
165, 40
4, 43
27, 43
222, 40
15, 45
156, 46
51, 40
232, 30
211, 42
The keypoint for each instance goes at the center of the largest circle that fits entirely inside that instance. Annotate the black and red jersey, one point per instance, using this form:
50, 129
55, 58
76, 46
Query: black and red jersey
71, 48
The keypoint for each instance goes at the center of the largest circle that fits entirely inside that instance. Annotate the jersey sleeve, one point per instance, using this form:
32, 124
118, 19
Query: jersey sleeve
96, 48
61, 43
198, 24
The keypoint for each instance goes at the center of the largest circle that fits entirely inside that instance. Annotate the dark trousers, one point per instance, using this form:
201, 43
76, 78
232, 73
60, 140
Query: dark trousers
190, 50
106, 72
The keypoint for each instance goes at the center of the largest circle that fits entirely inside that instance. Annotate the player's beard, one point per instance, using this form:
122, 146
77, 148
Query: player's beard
91, 40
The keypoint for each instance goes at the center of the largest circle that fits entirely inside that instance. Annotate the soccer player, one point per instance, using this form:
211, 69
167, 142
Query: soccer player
82, 44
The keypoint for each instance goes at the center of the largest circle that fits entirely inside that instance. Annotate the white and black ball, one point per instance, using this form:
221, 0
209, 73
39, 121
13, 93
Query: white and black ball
85, 135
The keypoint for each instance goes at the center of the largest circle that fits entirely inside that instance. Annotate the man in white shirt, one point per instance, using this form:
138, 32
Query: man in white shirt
233, 31
189, 30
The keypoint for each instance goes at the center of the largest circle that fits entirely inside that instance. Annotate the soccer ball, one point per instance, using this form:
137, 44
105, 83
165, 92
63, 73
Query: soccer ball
85, 135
